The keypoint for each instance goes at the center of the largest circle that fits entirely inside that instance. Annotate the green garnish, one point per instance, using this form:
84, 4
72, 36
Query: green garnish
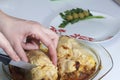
75, 15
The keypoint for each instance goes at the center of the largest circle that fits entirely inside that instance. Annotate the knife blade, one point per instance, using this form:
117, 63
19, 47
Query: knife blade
117, 1
21, 64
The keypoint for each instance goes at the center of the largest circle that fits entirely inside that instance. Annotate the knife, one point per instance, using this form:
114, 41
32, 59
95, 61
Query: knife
117, 1
21, 64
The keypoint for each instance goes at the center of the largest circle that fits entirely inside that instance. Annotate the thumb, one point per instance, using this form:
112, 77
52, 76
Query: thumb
29, 46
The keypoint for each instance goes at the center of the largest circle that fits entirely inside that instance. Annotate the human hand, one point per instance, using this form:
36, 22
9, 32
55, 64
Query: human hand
16, 32
5, 45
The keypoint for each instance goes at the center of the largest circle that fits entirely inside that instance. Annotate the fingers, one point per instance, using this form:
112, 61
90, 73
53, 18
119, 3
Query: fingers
53, 55
53, 36
49, 43
31, 43
5, 45
20, 51
29, 46
11, 53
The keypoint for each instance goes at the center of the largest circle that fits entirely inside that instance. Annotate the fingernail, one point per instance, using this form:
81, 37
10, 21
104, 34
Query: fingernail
17, 58
55, 63
25, 59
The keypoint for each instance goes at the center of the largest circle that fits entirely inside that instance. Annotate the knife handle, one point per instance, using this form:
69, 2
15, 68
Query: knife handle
5, 59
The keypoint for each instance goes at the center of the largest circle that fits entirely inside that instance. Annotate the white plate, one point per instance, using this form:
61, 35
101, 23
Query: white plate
90, 29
